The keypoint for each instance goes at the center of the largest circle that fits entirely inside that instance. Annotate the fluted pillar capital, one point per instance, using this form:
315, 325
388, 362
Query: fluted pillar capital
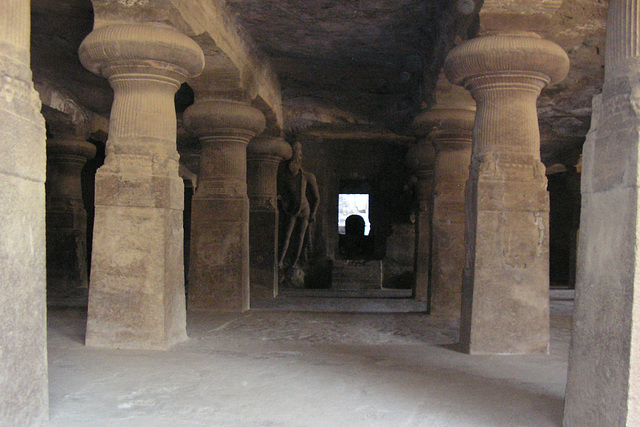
444, 119
448, 128
264, 154
145, 64
421, 157
218, 117
505, 74
224, 128
66, 156
151, 49
265, 147
420, 160
504, 61
72, 146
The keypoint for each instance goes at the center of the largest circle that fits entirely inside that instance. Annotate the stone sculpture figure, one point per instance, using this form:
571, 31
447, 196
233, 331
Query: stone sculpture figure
298, 200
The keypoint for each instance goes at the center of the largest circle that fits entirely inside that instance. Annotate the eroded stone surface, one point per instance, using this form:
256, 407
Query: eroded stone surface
505, 300
67, 264
136, 297
451, 131
263, 157
421, 159
602, 386
23, 352
219, 261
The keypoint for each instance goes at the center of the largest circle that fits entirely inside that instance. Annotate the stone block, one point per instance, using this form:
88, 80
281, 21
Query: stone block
23, 347
219, 270
263, 253
137, 296
505, 301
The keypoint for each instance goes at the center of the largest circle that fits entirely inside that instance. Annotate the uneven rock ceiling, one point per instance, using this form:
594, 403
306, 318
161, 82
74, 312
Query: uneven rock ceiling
360, 64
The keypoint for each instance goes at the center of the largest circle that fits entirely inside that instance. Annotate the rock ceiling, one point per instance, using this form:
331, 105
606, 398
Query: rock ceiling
369, 63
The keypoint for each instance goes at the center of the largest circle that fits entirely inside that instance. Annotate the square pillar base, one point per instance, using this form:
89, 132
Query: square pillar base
263, 254
505, 299
219, 261
136, 296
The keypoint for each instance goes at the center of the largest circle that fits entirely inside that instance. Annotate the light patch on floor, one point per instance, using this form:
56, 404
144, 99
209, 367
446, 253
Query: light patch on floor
306, 369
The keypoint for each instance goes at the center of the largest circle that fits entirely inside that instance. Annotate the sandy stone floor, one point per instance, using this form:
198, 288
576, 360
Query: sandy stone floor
306, 369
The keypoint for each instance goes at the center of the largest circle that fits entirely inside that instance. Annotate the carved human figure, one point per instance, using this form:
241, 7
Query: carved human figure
298, 200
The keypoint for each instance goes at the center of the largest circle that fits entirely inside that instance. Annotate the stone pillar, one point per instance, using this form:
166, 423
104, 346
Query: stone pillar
603, 386
67, 273
451, 136
219, 261
505, 299
136, 295
421, 157
264, 154
23, 340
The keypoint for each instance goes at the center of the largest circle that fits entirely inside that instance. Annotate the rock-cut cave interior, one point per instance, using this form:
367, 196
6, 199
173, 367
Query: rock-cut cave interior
319, 212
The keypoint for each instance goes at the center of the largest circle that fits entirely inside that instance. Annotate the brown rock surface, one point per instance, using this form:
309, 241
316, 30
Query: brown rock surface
367, 61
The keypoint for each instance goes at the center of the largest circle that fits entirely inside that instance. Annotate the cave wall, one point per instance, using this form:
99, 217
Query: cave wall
379, 164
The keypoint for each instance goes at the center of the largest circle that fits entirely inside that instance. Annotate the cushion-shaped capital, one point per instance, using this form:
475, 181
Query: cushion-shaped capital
158, 46
449, 119
507, 55
211, 117
71, 146
421, 156
269, 146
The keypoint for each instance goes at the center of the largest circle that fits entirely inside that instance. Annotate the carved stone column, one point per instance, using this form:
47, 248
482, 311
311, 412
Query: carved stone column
67, 273
23, 346
421, 158
604, 359
505, 299
264, 154
451, 136
136, 295
219, 261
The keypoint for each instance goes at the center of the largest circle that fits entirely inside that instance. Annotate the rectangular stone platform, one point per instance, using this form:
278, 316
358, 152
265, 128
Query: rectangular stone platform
357, 274
341, 305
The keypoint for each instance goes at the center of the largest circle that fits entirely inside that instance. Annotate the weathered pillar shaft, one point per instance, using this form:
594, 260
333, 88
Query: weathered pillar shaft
136, 296
453, 154
264, 154
604, 359
23, 345
67, 274
219, 261
505, 299
421, 160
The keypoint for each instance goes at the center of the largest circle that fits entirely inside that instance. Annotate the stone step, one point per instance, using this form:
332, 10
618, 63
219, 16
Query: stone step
345, 305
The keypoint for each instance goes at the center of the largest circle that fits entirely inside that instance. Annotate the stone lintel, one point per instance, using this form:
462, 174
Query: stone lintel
507, 15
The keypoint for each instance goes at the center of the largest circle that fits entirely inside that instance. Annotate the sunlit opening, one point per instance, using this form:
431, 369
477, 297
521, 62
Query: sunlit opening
353, 204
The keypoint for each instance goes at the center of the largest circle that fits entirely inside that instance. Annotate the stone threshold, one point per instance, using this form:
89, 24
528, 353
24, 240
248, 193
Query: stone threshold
338, 304
347, 293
